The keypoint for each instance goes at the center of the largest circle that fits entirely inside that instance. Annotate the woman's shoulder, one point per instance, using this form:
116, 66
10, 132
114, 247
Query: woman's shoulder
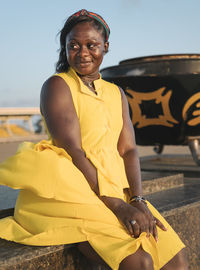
53, 88
53, 83
59, 79
57, 88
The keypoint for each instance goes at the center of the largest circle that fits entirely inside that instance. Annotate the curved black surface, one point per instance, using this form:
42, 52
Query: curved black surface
164, 96
155, 66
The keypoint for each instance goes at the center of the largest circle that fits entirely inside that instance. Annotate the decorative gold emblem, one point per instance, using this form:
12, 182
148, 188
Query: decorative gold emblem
163, 118
192, 107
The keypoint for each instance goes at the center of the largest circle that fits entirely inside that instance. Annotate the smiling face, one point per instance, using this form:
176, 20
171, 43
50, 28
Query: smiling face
85, 48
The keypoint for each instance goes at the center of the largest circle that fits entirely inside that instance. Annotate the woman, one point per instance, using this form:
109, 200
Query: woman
74, 186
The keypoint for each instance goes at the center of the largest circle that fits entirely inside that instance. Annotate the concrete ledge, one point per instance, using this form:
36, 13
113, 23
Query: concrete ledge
6, 212
186, 222
64, 257
154, 181
171, 163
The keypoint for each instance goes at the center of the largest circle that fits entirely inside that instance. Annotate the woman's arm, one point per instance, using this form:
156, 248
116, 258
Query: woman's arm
62, 122
128, 151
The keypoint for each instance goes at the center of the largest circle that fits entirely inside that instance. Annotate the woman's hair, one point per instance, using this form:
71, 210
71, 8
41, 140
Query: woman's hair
81, 16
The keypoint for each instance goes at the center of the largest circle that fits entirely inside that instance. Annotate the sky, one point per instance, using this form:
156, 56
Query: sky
29, 43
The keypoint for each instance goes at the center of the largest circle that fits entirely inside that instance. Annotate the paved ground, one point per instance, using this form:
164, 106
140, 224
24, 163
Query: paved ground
168, 150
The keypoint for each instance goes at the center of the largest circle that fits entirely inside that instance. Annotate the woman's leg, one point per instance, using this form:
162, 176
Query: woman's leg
178, 262
86, 249
140, 260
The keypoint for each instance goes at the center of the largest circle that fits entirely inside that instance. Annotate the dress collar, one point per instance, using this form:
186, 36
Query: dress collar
84, 89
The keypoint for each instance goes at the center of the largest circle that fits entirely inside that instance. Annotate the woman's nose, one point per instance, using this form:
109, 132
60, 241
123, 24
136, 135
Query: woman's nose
83, 51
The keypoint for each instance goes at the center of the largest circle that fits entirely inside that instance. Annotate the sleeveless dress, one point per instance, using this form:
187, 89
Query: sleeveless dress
56, 204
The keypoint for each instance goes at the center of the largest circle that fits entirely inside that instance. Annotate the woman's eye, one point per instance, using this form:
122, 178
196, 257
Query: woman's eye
91, 46
73, 46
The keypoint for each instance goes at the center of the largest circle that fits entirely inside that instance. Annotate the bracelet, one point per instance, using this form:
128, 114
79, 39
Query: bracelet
137, 199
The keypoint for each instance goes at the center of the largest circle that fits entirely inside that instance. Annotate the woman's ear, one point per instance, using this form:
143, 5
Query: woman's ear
106, 46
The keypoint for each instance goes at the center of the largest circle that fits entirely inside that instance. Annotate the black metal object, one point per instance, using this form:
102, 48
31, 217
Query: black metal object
164, 97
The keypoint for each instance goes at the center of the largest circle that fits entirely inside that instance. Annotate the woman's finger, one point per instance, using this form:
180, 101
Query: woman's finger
136, 229
145, 228
147, 222
151, 226
129, 228
159, 224
155, 232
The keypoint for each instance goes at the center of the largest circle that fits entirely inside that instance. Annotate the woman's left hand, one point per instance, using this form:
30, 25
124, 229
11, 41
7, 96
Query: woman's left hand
153, 221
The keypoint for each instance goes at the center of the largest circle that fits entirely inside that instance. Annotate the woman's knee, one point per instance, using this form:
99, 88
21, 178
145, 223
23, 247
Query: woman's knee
178, 262
147, 262
140, 260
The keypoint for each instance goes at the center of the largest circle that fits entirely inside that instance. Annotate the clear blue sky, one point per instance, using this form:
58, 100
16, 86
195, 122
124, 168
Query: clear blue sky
28, 43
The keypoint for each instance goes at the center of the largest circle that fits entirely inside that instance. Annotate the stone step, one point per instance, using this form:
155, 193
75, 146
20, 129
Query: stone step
158, 181
171, 163
6, 212
180, 206
14, 256
185, 220
176, 197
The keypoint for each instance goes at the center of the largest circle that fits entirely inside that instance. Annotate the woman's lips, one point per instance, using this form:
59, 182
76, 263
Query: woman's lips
84, 64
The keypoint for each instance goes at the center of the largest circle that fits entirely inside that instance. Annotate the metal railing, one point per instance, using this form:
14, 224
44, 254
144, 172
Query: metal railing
26, 115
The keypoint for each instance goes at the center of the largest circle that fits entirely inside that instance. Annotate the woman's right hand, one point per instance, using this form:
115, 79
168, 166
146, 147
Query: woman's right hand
134, 220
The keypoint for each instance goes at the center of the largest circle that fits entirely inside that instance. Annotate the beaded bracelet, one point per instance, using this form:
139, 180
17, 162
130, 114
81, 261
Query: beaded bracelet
137, 199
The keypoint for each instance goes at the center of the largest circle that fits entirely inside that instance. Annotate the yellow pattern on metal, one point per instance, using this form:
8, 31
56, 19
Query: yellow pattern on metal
141, 120
192, 103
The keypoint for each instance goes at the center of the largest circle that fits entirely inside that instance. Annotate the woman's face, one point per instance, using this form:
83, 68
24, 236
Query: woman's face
85, 48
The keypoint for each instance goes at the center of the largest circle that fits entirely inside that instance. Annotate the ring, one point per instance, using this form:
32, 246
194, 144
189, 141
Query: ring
133, 222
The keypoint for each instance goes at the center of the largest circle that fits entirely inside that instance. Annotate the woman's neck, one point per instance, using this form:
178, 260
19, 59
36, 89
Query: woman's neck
89, 78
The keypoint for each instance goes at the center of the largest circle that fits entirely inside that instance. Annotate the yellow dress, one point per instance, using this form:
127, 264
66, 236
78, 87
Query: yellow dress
56, 204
